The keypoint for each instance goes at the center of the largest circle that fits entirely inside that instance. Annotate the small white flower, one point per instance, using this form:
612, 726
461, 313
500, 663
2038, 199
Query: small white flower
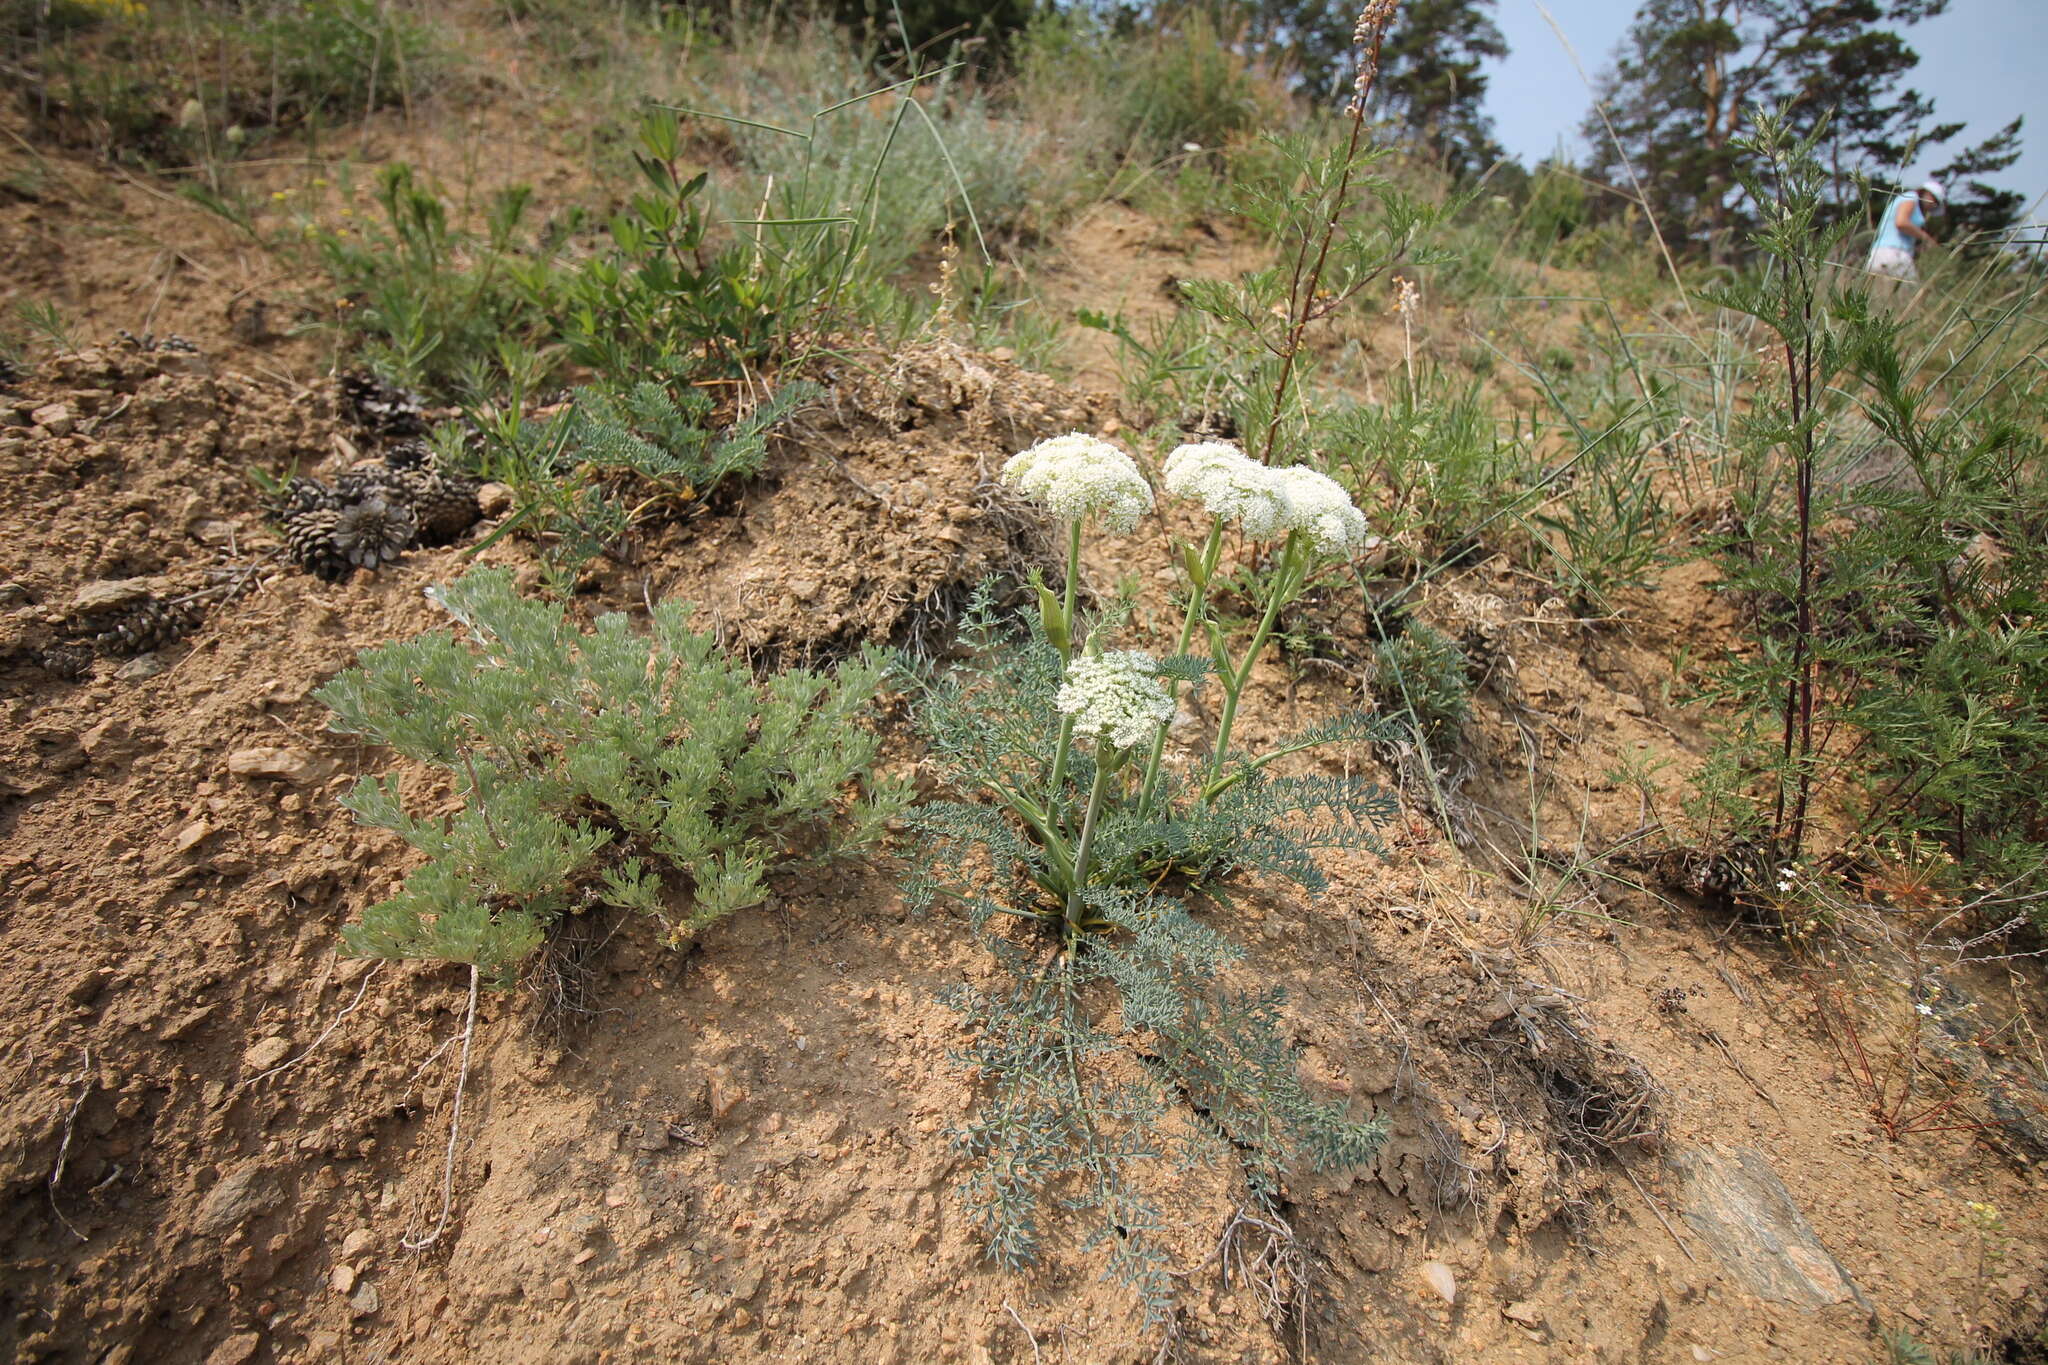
1074, 475
1232, 485
1115, 696
1924, 1009
1321, 510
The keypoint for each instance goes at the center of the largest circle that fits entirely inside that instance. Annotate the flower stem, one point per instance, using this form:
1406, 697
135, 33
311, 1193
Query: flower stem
1080, 883
1059, 768
1059, 759
1198, 600
1073, 577
1285, 581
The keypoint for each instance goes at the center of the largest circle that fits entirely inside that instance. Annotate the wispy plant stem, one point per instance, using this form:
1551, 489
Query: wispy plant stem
1301, 293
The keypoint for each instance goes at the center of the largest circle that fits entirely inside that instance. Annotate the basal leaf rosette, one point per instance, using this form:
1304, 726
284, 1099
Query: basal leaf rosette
1076, 476
1114, 698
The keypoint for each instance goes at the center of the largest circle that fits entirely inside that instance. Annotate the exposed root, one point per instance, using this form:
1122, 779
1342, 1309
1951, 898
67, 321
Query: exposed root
562, 978
64, 1147
1600, 1101
454, 1128
313, 1046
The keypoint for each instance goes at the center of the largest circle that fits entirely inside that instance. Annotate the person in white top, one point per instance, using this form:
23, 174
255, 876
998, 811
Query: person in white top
1903, 231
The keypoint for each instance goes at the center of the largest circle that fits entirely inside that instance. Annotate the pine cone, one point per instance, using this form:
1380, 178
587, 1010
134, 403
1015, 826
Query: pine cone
443, 507
304, 495
311, 543
367, 481
148, 342
381, 409
375, 531
410, 455
137, 629
71, 660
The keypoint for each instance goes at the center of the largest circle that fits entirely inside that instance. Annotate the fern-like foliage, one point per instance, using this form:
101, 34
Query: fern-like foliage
644, 772
1121, 1045
647, 429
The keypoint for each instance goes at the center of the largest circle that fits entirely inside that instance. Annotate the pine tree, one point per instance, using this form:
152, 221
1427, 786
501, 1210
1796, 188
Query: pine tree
1688, 69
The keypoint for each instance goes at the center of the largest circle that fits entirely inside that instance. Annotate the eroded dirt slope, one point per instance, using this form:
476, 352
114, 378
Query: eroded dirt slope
1622, 1139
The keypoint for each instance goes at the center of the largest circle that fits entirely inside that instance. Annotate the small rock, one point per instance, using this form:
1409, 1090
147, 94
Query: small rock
1523, 1313
494, 499
87, 988
238, 1349
1742, 1210
243, 1194
104, 740
357, 1243
265, 1055
287, 765
216, 532
107, 594
191, 836
652, 1136
726, 1094
803, 589
1438, 1277
342, 1279
54, 418
365, 1301
140, 668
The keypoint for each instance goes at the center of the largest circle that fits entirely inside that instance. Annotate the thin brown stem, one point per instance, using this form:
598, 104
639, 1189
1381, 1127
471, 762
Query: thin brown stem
1301, 290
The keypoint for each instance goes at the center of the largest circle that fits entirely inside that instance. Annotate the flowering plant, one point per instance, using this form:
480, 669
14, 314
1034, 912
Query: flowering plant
1088, 825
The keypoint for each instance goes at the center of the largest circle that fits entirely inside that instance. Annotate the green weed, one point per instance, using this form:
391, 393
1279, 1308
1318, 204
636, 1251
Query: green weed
603, 769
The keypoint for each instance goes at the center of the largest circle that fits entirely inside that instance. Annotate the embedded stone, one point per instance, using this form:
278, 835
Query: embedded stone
285, 765
108, 594
1740, 1209
266, 1054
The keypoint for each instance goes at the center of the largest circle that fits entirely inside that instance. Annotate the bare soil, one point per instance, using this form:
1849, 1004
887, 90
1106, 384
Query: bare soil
217, 1136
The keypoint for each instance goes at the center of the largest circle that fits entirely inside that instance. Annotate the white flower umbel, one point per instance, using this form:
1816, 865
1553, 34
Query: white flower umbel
1073, 476
1232, 485
1321, 510
1115, 697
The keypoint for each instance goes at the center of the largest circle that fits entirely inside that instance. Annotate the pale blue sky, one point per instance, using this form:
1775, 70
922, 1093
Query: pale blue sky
1984, 61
